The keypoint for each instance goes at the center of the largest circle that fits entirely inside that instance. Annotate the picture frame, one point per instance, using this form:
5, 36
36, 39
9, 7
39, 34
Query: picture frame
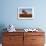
25, 13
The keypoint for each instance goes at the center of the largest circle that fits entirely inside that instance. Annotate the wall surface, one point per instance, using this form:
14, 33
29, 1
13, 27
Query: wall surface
8, 13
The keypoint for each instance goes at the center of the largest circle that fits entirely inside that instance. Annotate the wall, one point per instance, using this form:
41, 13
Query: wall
9, 13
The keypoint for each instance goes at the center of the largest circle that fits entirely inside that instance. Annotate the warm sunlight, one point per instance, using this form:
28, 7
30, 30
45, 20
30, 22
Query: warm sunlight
44, 44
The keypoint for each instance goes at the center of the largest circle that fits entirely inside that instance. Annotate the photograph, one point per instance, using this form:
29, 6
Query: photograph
25, 13
22, 22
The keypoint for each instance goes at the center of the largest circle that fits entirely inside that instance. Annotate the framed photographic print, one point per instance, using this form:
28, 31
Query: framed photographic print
25, 13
